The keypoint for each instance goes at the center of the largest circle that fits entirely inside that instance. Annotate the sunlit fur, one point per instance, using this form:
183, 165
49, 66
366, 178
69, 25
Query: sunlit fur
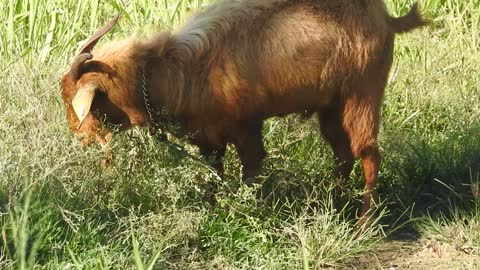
239, 62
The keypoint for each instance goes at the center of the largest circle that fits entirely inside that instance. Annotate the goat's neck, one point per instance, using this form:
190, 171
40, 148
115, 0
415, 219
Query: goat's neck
163, 82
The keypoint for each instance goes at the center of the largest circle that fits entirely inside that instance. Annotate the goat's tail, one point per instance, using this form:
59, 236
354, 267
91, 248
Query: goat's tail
406, 23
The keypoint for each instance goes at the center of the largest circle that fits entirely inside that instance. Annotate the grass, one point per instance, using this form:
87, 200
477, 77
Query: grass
59, 209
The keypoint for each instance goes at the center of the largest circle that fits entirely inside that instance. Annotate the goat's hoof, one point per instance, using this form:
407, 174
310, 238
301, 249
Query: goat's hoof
250, 181
364, 222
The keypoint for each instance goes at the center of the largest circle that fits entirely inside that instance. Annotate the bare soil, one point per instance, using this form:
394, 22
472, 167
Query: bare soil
397, 254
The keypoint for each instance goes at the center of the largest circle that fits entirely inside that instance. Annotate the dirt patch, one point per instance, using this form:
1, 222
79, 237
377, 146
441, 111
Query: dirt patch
419, 254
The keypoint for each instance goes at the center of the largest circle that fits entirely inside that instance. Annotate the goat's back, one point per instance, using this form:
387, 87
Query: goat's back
286, 56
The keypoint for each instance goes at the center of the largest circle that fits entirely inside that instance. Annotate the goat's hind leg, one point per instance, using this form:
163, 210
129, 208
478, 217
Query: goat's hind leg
330, 120
361, 120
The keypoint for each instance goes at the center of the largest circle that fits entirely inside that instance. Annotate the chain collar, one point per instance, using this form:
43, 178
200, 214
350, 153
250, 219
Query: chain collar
155, 124
159, 124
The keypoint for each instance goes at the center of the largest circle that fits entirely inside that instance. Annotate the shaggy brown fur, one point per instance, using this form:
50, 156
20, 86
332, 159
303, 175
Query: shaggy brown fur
239, 62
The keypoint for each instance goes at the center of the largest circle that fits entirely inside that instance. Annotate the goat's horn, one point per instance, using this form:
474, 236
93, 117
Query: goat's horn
82, 101
77, 63
92, 41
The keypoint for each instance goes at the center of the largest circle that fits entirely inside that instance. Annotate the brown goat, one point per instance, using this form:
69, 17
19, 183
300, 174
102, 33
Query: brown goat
239, 62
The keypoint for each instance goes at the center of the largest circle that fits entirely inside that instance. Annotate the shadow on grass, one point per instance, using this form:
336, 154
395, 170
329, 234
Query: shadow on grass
423, 178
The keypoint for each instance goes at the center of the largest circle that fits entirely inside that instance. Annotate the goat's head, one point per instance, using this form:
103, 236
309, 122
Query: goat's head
96, 89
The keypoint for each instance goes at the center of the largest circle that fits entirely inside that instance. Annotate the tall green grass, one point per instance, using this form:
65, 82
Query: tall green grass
42, 30
59, 209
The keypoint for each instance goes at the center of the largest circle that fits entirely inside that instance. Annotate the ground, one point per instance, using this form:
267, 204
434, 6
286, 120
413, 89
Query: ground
411, 253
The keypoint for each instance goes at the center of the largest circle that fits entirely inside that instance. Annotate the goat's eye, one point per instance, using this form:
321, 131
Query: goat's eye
100, 94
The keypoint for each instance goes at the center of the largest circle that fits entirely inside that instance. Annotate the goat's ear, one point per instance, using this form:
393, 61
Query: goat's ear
82, 101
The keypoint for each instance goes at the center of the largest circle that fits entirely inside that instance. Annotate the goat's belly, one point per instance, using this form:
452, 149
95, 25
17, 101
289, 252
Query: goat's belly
297, 101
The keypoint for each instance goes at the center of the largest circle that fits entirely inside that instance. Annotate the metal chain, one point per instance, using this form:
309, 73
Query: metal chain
151, 114
162, 137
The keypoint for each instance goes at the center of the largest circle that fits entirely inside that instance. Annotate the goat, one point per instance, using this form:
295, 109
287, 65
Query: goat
239, 62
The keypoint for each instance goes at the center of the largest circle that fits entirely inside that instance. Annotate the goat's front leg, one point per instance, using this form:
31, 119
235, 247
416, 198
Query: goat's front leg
251, 152
214, 155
